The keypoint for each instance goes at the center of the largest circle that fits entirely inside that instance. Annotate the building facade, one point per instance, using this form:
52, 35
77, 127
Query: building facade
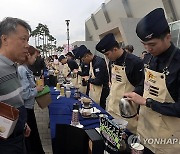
120, 17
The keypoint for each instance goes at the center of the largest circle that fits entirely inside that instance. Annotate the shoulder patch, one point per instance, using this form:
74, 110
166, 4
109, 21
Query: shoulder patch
97, 70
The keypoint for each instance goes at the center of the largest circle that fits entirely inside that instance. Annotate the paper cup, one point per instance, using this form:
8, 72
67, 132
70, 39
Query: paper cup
68, 94
137, 148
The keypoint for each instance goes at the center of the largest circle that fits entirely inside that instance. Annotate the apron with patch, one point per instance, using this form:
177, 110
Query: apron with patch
82, 88
66, 70
153, 125
77, 82
120, 85
56, 66
95, 91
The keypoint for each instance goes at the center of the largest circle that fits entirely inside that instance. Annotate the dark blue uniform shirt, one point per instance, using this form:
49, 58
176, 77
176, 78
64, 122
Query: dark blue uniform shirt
84, 69
72, 64
133, 67
172, 81
100, 72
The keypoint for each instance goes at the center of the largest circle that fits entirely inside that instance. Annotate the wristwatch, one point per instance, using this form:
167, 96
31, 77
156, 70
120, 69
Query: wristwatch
149, 102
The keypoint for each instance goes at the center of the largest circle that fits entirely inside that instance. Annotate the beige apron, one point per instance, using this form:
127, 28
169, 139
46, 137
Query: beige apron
95, 91
75, 81
82, 88
154, 125
56, 66
120, 85
66, 70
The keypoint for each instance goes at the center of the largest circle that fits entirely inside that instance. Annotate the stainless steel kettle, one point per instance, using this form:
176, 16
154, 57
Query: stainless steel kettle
128, 109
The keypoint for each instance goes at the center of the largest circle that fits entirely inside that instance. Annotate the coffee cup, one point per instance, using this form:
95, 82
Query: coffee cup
137, 148
68, 94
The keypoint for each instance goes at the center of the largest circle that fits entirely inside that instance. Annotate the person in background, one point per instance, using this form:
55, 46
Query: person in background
143, 54
30, 90
50, 59
126, 74
99, 76
83, 72
55, 61
55, 64
70, 55
14, 37
38, 67
84, 67
69, 65
159, 114
129, 48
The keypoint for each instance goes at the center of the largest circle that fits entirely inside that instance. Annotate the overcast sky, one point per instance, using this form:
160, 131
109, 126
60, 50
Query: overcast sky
53, 13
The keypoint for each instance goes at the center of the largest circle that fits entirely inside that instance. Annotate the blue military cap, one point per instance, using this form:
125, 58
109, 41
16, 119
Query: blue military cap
82, 51
61, 58
152, 25
75, 52
106, 43
70, 54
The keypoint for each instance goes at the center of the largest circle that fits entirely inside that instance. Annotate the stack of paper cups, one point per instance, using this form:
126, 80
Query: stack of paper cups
75, 117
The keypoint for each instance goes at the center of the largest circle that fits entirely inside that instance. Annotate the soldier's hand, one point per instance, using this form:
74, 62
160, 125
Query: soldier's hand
132, 96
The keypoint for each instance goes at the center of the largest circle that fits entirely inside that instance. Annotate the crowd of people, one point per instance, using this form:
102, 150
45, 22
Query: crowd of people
151, 82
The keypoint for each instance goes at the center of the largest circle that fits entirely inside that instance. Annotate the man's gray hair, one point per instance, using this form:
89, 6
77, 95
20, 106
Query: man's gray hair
9, 25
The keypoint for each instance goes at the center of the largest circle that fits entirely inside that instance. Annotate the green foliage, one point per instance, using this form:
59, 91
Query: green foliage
44, 41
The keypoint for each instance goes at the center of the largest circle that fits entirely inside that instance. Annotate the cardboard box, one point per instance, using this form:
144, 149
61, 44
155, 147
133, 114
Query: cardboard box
44, 98
8, 118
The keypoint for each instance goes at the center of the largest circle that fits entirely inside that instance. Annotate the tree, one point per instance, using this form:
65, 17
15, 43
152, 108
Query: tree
51, 39
60, 48
42, 37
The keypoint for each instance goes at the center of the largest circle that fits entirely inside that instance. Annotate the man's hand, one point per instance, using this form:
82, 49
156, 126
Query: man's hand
27, 130
132, 96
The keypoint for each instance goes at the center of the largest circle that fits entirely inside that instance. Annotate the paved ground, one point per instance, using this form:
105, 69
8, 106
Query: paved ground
42, 117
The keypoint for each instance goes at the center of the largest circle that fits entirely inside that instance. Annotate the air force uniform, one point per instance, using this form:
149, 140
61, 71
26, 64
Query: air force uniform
99, 78
160, 118
69, 66
83, 73
126, 74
